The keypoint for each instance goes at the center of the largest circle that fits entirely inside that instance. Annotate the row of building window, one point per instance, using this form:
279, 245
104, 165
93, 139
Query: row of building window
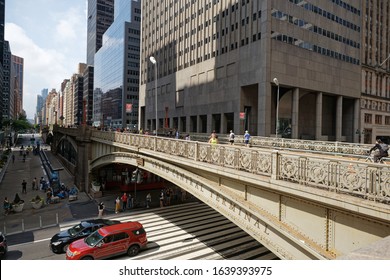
314, 28
340, 3
378, 119
311, 47
326, 14
376, 84
346, 6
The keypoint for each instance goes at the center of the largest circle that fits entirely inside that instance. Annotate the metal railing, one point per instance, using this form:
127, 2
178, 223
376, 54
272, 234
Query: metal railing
33, 222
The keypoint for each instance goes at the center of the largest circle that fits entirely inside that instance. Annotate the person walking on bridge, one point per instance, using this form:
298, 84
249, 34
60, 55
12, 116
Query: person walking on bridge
247, 137
231, 137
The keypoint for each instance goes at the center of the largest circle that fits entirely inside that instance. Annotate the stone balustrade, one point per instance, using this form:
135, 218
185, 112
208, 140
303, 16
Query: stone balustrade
321, 170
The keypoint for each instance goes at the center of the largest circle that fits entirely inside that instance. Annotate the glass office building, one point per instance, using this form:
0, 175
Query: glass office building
100, 17
116, 69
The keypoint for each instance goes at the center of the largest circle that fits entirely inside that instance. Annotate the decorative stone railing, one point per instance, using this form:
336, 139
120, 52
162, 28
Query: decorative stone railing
339, 174
327, 147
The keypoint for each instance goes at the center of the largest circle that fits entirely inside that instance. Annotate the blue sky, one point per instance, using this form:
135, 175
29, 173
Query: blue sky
51, 37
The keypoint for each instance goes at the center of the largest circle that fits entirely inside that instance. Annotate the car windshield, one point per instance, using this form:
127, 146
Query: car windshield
76, 229
93, 239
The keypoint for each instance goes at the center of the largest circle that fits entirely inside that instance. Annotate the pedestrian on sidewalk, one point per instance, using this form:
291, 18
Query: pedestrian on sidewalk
24, 186
124, 201
100, 209
7, 206
34, 184
117, 205
148, 200
129, 201
162, 198
13, 158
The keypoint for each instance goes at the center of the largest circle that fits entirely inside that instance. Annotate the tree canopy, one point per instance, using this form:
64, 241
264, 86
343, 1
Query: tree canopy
17, 125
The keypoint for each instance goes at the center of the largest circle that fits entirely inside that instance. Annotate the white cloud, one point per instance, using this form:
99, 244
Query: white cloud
70, 23
51, 46
43, 68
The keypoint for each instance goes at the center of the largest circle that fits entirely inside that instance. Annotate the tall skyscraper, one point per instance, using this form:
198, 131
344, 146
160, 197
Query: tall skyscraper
116, 69
100, 17
2, 22
16, 97
38, 114
7, 81
44, 93
269, 67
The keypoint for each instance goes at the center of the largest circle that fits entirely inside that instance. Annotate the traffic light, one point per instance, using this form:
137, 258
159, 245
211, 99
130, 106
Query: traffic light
134, 176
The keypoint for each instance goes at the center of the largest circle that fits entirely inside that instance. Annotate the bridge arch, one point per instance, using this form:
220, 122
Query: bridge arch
250, 218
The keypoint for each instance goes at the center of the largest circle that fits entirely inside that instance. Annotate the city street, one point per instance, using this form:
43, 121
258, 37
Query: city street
186, 231
28, 169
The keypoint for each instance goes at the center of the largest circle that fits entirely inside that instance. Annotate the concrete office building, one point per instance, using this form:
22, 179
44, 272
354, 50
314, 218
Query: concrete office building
222, 64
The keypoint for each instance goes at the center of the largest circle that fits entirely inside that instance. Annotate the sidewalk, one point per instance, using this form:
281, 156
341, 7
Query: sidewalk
64, 211
30, 218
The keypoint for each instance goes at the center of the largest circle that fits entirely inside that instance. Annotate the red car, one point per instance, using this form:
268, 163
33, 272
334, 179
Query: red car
109, 241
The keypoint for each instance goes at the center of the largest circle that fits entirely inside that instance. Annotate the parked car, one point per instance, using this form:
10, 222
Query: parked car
60, 241
106, 242
3, 245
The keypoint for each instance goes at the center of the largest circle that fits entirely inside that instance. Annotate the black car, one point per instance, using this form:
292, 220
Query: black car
3, 245
60, 242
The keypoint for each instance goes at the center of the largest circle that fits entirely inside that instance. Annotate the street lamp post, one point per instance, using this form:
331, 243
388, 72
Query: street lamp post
277, 107
154, 61
360, 135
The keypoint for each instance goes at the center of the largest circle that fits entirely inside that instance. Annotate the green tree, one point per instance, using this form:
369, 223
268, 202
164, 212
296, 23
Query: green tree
21, 124
17, 125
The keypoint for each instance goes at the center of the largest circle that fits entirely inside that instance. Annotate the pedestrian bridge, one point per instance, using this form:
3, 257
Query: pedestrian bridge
299, 204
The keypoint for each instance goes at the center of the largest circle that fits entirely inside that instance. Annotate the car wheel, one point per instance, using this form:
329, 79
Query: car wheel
87, 258
65, 248
133, 250
55, 250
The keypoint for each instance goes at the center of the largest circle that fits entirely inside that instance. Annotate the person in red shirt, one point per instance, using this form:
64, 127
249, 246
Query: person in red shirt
124, 201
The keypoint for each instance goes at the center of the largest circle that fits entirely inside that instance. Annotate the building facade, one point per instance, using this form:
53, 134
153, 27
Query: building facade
7, 81
100, 17
2, 23
16, 99
78, 95
252, 65
375, 101
116, 69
